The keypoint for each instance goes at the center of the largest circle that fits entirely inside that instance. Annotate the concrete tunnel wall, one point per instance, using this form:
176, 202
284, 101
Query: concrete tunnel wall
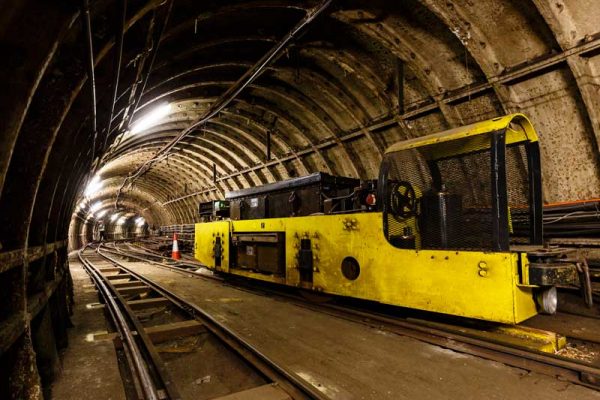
364, 75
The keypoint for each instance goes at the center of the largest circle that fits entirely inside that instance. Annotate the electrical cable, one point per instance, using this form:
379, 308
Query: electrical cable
226, 98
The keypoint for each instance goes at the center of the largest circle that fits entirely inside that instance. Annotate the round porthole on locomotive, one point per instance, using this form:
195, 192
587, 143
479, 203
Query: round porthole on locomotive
350, 268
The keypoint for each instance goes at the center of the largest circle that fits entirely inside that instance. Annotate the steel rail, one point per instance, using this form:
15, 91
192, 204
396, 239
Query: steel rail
521, 357
148, 253
139, 364
575, 371
294, 385
154, 358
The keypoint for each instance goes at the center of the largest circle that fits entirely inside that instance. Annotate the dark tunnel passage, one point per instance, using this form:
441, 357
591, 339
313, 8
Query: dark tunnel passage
104, 120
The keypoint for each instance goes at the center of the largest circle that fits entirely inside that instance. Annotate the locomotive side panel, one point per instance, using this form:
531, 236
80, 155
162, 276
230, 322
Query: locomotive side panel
211, 244
351, 257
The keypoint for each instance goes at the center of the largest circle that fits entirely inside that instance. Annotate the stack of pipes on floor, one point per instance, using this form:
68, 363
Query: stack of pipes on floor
575, 220
580, 220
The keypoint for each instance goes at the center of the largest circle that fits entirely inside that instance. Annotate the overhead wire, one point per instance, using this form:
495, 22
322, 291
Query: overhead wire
90, 66
230, 94
116, 65
144, 69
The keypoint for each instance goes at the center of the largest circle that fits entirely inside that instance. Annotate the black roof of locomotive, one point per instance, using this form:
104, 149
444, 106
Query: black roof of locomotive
293, 183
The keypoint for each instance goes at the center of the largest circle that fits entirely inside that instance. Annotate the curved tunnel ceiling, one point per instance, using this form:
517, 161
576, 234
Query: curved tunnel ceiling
362, 76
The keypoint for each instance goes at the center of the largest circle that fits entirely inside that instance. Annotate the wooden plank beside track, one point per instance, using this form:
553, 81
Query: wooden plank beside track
161, 333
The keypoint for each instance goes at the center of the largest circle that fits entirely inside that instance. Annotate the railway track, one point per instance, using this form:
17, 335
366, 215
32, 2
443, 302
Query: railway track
454, 338
145, 315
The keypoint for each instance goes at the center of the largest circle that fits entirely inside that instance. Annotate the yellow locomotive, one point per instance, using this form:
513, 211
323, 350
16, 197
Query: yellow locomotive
453, 225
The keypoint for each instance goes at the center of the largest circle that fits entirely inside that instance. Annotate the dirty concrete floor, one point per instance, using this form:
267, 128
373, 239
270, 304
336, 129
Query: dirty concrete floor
90, 369
347, 360
210, 371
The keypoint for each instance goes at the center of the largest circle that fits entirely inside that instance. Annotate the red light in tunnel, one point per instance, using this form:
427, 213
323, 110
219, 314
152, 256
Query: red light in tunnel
371, 200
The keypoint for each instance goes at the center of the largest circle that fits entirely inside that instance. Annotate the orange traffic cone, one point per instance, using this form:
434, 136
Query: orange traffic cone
175, 255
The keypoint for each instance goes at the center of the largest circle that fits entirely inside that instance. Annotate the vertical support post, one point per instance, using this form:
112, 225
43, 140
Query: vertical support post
23, 380
536, 233
44, 345
214, 173
499, 193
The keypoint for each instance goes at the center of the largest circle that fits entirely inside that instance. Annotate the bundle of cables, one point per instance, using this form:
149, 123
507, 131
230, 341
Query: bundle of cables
581, 219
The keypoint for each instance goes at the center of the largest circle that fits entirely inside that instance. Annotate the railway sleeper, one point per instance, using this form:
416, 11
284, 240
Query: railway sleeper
134, 290
118, 276
174, 330
106, 270
160, 333
152, 302
119, 285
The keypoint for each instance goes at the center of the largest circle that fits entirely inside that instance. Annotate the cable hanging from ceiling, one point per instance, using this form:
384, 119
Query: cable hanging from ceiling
226, 98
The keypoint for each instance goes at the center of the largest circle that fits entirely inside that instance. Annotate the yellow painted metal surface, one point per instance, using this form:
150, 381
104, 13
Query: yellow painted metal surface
510, 335
535, 339
473, 284
464, 283
205, 240
518, 129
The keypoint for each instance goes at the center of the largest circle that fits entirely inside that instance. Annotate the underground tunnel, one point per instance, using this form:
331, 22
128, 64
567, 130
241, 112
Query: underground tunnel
366, 164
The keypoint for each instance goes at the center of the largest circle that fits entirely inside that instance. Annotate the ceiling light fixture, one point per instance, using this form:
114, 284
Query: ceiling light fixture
151, 118
95, 207
92, 187
101, 214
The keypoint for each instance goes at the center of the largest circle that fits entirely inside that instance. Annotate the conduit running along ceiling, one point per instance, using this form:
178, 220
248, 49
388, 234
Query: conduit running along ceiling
363, 75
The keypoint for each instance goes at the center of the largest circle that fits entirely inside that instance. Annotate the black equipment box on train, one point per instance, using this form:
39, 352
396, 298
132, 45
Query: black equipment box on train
311, 194
213, 210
